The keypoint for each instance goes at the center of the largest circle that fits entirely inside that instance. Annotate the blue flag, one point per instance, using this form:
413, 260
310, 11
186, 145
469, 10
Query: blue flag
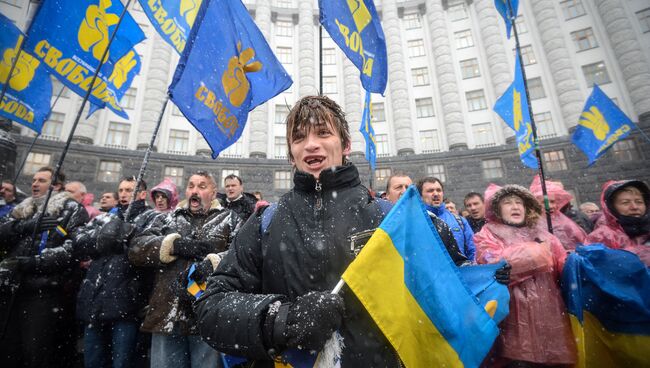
173, 19
502, 8
601, 125
368, 132
70, 36
355, 27
27, 100
226, 70
513, 109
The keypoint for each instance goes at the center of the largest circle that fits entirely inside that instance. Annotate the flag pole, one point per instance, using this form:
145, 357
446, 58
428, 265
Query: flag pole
538, 153
22, 165
320, 59
145, 160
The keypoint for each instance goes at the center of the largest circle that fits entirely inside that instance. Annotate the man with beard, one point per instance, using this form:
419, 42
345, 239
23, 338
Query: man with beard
187, 238
475, 205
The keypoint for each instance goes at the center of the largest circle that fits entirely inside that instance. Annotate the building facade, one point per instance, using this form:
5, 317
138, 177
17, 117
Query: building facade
448, 61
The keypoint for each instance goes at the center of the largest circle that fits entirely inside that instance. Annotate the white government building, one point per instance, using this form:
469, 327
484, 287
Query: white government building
448, 62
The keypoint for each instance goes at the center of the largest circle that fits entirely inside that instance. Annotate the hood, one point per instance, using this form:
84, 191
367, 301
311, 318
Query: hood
30, 206
88, 199
494, 193
554, 189
607, 198
167, 187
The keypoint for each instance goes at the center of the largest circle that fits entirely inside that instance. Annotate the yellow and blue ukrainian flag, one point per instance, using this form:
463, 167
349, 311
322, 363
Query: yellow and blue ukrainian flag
601, 125
420, 300
607, 293
173, 19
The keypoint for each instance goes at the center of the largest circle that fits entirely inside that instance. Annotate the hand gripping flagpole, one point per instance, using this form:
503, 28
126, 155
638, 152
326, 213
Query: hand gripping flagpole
538, 153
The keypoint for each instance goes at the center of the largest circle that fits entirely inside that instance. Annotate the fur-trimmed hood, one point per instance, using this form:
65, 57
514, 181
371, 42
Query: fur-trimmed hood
495, 193
30, 206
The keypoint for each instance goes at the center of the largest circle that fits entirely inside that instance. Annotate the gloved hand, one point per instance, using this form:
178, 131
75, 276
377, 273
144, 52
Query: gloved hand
202, 271
27, 226
17, 264
502, 275
191, 248
310, 321
113, 236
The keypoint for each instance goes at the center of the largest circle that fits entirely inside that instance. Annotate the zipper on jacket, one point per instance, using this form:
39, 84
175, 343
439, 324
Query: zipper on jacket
319, 196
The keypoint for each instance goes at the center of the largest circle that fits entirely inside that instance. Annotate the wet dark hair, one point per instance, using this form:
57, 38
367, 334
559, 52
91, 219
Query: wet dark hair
395, 175
231, 177
472, 195
58, 180
132, 179
312, 111
206, 175
114, 194
13, 186
428, 179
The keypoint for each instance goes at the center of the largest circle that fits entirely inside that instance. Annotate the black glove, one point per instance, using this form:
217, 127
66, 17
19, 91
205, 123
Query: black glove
502, 275
202, 271
113, 236
17, 264
27, 226
310, 321
191, 248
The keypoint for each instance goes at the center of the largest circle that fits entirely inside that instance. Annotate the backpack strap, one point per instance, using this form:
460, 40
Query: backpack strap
460, 222
267, 216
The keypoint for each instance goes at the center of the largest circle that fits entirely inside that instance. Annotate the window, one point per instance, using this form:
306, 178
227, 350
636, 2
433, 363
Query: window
118, 135
329, 85
378, 112
420, 76
416, 48
109, 171
381, 140
555, 161
469, 68
281, 112
284, 3
52, 128
329, 56
178, 142
535, 88
424, 107
226, 172
476, 100
429, 141
527, 55
595, 73
128, 100
644, 19
437, 171
282, 180
283, 28
584, 39
175, 174
544, 125
483, 135
625, 150
280, 147
412, 21
457, 11
464, 39
521, 25
235, 150
56, 88
285, 55
572, 8
35, 161
381, 175
492, 168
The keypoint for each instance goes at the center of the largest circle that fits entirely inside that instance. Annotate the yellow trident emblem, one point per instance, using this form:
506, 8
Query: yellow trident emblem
360, 14
189, 9
93, 32
24, 70
594, 120
234, 80
123, 67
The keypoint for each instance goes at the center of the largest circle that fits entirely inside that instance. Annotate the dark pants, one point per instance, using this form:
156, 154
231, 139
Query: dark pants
110, 344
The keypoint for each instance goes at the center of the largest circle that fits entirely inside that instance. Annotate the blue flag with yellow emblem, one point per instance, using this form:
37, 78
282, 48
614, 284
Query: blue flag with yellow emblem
70, 36
513, 109
503, 9
355, 27
369, 132
433, 313
173, 19
226, 70
28, 95
601, 125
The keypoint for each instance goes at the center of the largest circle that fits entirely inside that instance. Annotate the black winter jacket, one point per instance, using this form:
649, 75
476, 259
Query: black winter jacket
113, 289
305, 248
243, 206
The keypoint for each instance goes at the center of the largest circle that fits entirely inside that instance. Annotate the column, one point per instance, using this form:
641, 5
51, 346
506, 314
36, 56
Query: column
259, 118
306, 80
399, 96
353, 105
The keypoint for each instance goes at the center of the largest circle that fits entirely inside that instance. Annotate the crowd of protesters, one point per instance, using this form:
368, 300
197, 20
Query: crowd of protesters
104, 287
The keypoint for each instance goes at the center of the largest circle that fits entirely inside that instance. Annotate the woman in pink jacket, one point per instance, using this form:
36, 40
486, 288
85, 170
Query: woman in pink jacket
537, 332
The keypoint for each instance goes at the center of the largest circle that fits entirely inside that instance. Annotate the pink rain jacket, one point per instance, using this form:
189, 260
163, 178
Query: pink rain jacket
538, 328
87, 202
565, 229
168, 187
609, 232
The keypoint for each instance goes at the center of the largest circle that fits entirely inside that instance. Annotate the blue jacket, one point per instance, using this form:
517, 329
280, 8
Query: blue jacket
463, 234
5, 209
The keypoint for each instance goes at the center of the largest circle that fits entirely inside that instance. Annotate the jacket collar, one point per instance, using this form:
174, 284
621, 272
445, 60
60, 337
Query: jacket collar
436, 210
330, 179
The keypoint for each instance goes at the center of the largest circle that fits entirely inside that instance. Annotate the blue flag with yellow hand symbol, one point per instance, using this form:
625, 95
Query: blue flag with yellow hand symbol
513, 109
369, 132
226, 70
173, 19
69, 37
27, 100
601, 125
355, 27
502, 7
